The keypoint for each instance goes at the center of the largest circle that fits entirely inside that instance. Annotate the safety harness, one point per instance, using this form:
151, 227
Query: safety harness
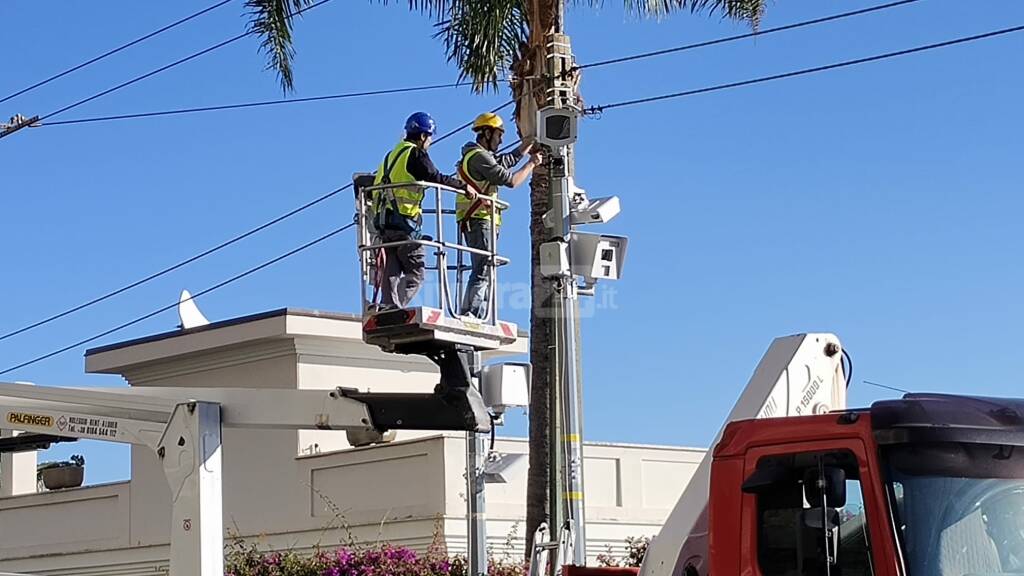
388, 195
379, 205
476, 205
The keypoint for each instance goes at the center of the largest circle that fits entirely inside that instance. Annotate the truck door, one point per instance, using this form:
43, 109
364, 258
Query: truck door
804, 511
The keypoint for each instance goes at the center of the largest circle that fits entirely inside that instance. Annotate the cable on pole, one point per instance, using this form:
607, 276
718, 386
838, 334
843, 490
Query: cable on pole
601, 108
754, 34
163, 309
114, 51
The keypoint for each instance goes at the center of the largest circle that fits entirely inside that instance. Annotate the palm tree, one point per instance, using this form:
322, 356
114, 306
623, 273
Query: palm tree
487, 40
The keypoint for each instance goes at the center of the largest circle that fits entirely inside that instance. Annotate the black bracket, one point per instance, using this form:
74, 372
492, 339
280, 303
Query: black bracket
30, 442
455, 362
454, 405
458, 409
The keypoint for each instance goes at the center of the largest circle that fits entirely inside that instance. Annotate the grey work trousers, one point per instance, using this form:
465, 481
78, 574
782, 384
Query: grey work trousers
403, 270
478, 290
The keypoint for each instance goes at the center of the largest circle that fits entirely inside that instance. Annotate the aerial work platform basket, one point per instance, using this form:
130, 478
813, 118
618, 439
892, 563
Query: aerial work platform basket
437, 324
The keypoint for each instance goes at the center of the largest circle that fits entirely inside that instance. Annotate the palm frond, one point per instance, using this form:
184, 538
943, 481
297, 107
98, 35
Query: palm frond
436, 9
483, 38
271, 21
746, 10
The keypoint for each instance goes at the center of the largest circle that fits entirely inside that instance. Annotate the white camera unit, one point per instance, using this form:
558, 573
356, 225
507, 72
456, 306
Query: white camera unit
596, 211
597, 256
557, 127
585, 210
505, 385
554, 259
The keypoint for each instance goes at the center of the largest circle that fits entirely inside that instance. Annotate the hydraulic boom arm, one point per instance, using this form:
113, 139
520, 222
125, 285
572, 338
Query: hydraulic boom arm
799, 375
183, 426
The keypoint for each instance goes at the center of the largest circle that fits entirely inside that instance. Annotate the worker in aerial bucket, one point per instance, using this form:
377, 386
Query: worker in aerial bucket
399, 211
484, 170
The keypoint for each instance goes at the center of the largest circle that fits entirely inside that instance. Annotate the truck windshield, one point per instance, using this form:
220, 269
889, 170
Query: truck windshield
959, 507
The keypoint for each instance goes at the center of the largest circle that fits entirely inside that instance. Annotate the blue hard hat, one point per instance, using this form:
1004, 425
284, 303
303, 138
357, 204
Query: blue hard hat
420, 123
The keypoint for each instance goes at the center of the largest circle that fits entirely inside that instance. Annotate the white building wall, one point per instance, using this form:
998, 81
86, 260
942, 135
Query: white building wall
403, 493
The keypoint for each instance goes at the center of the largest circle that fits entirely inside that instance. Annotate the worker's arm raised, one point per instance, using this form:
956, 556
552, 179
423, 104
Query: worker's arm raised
495, 172
523, 173
422, 168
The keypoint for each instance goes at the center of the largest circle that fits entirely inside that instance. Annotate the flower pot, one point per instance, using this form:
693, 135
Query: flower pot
63, 477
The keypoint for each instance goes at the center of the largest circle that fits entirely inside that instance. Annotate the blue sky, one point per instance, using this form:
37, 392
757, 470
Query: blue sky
880, 202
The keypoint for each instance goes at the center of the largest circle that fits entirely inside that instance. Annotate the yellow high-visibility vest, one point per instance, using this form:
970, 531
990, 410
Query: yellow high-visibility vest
466, 208
409, 201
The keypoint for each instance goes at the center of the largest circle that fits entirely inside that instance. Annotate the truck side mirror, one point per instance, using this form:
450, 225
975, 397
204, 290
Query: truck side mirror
825, 487
767, 477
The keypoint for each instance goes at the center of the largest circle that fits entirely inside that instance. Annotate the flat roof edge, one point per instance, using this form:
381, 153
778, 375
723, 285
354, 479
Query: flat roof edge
223, 324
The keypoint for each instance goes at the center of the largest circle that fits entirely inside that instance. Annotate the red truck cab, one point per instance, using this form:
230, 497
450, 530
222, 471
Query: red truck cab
927, 485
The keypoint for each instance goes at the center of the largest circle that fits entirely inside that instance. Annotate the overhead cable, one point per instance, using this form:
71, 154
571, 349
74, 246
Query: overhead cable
754, 34
163, 309
604, 107
114, 51
193, 56
686, 47
179, 111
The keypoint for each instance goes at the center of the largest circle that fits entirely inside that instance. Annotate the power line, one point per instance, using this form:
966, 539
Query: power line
455, 131
214, 249
174, 267
648, 100
163, 68
259, 104
714, 42
216, 286
114, 51
343, 96
745, 36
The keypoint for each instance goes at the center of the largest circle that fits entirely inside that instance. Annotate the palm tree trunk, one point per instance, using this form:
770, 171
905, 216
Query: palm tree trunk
529, 99
537, 489
529, 94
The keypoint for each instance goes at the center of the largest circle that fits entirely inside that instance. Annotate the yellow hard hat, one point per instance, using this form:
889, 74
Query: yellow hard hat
488, 120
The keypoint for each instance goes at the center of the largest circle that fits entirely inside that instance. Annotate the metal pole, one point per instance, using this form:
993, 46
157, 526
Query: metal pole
571, 439
476, 502
566, 442
556, 512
